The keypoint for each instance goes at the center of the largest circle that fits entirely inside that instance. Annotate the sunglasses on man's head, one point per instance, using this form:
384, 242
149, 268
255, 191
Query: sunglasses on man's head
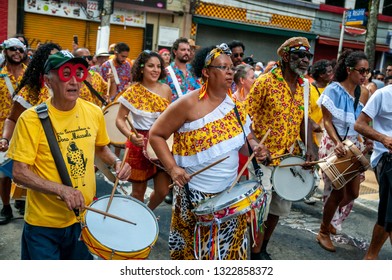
88, 57
14, 49
302, 54
238, 54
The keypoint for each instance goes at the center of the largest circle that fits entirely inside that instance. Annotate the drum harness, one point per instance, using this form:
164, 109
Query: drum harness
256, 217
42, 111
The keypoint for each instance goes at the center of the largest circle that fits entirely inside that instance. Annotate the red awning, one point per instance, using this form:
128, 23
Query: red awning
350, 44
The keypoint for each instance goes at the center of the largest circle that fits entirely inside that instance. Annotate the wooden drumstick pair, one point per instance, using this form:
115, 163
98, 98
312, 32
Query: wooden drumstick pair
302, 164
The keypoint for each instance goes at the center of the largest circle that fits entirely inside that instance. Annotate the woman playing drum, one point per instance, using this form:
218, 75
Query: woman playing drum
205, 129
145, 100
341, 103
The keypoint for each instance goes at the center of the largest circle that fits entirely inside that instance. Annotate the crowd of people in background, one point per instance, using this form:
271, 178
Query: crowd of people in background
209, 95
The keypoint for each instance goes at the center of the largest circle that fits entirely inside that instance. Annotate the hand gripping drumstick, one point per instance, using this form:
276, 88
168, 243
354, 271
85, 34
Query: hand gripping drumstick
248, 161
116, 182
105, 213
131, 125
203, 169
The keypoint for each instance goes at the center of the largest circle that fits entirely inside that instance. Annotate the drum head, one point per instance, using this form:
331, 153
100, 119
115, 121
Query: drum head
118, 235
150, 151
110, 115
225, 198
292, 183
5, 165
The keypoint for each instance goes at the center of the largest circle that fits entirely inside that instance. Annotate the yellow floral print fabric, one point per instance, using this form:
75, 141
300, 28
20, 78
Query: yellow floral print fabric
5, 95
98, 84
272, 105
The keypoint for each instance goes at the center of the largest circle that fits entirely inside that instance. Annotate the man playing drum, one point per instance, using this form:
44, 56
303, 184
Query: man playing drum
51, 229
276, 102
379, 111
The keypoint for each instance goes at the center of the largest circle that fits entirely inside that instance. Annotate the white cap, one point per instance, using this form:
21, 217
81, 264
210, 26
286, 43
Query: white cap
102, 52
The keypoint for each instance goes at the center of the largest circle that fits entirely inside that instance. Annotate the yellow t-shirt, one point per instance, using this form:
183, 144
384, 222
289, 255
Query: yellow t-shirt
315, 112
78, 131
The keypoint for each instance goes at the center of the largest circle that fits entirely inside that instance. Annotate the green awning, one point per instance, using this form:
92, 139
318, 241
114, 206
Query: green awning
252, 28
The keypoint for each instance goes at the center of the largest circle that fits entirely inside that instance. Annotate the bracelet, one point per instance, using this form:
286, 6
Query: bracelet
8, 141
115, 161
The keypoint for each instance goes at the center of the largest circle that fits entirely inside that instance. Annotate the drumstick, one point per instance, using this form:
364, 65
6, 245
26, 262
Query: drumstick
105, 213
109, 84
117, 180
249, 159
302, 164
281, 156
203, 169
131, 125
108, 214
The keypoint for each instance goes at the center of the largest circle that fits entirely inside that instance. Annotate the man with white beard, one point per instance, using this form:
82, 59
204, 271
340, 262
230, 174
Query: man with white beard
276, 102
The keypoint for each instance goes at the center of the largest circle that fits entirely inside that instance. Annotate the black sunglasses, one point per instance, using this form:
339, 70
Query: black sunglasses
88, 57
303, 55
14, 49
238, 54
361, 70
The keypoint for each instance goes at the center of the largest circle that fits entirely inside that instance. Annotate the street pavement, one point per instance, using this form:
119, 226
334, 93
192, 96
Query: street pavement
294, 237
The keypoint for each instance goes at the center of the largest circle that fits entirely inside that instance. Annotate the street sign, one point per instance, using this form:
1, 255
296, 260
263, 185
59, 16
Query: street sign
356, 17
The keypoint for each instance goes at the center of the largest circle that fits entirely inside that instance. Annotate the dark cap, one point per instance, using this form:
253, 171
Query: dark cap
248, 60
54, 61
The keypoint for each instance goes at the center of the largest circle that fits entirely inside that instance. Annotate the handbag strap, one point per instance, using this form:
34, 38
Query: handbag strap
43, 115
254, 162
96, 93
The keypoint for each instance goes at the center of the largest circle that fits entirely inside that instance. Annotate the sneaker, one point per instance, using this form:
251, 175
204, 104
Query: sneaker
20, 205
310, 201
6, 215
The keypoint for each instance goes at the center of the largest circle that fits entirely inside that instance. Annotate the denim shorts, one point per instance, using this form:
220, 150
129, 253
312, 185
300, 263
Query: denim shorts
45, 243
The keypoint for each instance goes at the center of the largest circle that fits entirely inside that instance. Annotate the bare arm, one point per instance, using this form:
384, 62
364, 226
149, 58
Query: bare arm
362, 126
167, 123
121, 123
24, 176
327, 118
106, 155
9, 125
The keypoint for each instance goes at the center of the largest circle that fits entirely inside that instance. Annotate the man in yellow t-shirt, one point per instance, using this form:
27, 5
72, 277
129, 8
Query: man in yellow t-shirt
51, 229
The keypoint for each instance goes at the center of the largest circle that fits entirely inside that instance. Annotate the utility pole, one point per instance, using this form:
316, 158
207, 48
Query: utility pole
371, 33
104, 29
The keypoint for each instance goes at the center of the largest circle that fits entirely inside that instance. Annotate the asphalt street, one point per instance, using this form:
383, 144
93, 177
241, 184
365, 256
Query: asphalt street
294, 238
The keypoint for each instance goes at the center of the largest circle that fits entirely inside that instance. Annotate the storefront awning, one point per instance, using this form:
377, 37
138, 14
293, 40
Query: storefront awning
350, 44
252, 28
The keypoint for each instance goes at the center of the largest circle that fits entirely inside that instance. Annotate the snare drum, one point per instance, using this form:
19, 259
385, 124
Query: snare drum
117, 139
242, 198
150, 154
293, 183
5, 166
109, 238
343, 169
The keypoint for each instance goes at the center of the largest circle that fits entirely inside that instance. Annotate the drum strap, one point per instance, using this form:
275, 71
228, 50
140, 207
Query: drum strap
42, 111
254, 162
96, 93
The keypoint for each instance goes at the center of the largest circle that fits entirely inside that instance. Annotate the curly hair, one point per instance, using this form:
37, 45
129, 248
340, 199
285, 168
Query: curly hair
319, 68
235, 43
140, 62
348, 58
199, 60
33, 74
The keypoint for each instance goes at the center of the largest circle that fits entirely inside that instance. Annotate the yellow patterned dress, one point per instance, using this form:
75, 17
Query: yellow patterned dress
98, 84
145, 107
196, 145
5, 95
